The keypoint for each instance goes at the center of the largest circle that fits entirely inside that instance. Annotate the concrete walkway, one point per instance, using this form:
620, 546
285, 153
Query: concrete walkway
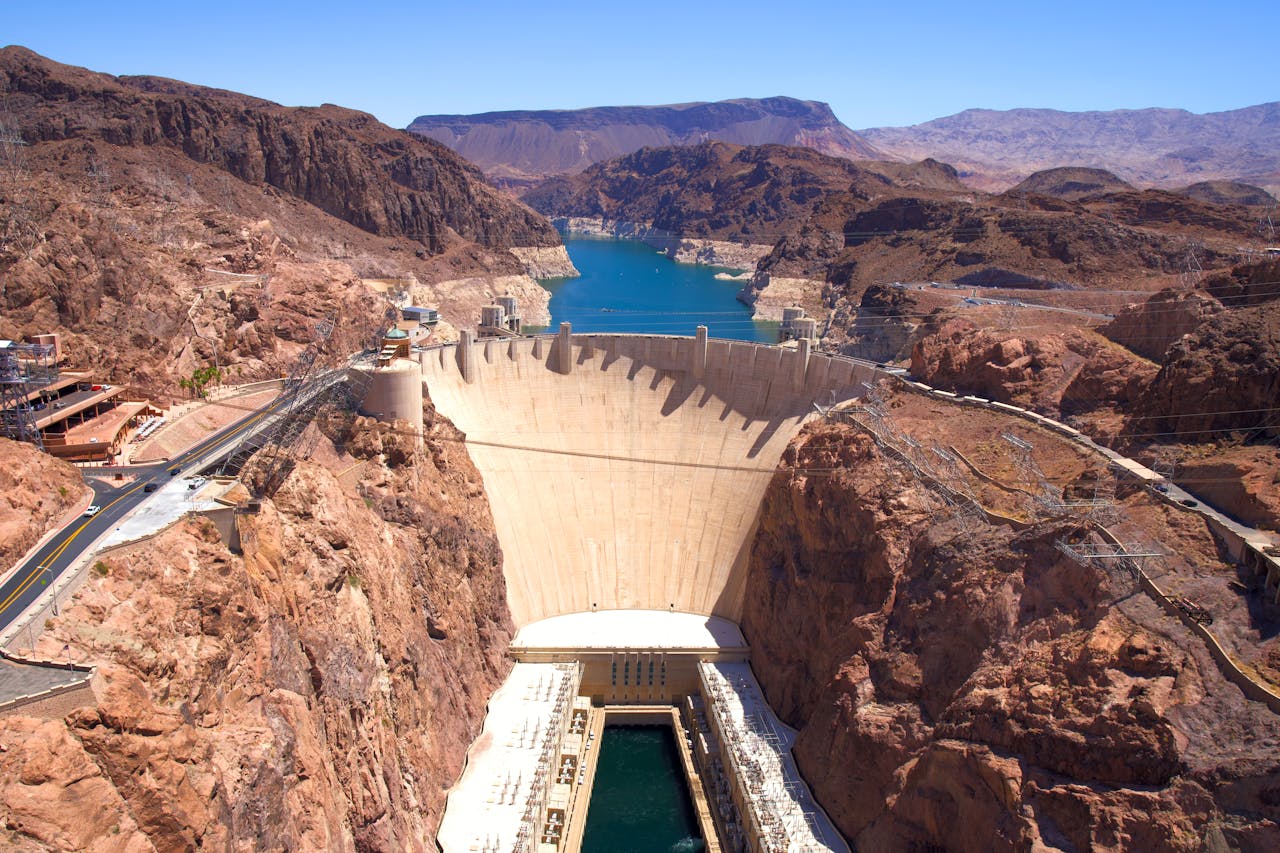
20, 679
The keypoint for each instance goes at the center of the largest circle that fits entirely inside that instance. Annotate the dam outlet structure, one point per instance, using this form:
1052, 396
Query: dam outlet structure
625, 475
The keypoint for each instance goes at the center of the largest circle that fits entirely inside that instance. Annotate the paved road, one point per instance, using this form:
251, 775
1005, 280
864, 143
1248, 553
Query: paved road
44, 567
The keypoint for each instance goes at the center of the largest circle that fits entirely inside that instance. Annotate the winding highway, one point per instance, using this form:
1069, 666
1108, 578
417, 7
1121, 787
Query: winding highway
38, 573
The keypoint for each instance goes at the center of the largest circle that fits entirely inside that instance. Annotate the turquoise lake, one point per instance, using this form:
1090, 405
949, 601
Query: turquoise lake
639, 802
629, 287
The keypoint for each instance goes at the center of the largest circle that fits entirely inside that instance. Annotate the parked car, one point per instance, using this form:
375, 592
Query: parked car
93, 510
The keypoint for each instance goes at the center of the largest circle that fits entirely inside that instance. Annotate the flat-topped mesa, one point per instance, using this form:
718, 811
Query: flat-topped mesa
627, 471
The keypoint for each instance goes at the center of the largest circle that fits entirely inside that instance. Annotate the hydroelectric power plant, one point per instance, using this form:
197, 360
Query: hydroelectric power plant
625, 475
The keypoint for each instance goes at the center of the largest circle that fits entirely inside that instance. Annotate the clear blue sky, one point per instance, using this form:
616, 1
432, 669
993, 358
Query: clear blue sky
882, 63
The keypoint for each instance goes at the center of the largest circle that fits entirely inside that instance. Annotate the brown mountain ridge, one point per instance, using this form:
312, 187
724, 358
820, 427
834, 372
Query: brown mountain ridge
149, 218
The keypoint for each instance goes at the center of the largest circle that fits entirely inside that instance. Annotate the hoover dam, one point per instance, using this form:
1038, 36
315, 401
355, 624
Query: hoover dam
625, 475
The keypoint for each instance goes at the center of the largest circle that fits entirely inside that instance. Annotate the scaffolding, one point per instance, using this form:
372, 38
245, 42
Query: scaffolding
24, 370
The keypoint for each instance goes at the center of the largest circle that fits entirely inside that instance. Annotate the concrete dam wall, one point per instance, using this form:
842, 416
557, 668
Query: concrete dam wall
627, 471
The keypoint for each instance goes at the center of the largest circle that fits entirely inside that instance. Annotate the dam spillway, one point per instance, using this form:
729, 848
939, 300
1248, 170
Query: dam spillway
626, 472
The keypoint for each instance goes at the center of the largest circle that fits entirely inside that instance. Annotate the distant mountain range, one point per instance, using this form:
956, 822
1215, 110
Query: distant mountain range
991, 149
1155, 147
522, 147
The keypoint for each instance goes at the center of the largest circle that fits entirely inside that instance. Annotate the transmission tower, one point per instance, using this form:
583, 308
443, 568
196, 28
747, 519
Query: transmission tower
305, 390
945, 481
1050, 496
99, 181
965, 506
1192, 271
17, 219
1126, 559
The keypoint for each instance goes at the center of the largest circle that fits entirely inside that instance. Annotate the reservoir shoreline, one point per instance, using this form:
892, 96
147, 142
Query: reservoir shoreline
627, 287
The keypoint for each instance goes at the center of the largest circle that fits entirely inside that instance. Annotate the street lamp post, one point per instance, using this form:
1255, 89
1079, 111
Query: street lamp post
46, 571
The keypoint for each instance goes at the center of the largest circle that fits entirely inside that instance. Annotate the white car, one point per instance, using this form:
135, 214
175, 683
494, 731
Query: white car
93, 510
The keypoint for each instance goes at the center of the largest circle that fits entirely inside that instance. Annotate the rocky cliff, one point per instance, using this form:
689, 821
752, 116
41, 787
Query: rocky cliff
315, 692
1063, 374
162, 226
35, 491
969, 688
520, 147
341, 161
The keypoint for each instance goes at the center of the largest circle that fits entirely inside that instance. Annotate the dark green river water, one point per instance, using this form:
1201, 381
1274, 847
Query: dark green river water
627, 286
640, 803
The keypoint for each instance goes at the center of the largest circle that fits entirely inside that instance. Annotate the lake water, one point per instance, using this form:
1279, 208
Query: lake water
627, 286
640, 802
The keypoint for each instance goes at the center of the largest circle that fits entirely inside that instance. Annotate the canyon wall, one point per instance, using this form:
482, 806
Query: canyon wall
316, 692
972, 689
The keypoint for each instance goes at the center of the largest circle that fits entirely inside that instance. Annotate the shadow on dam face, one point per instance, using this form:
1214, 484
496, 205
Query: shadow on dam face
627, 471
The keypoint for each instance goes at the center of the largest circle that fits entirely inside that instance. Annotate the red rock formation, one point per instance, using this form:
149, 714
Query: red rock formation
976, 690
1065, 373
35, 491
316, 692
1149, 328
1223, 376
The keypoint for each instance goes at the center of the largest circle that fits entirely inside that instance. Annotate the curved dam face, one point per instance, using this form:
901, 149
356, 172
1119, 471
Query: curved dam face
627, 472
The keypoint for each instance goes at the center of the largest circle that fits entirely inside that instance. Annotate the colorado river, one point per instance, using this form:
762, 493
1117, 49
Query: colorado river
640, 803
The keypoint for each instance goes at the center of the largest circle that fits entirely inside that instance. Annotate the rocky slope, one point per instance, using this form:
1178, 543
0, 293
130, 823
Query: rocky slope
1229, 192
1223, 375
972, 689
1071, 183
520, 147
154, 222
994, 149
1072, 374
35, 491
714, 194
315, 692
1193, 378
